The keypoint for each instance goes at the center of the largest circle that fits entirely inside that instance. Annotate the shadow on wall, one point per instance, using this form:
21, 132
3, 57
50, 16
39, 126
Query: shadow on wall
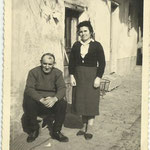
16, 111
130, 13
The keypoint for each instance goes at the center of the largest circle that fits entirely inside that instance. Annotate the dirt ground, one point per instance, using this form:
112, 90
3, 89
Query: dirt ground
116, 128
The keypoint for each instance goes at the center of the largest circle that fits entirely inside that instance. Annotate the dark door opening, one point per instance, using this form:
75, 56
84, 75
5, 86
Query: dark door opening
71, 21
140, 34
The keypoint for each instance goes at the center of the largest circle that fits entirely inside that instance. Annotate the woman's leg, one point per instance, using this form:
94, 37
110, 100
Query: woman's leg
91, 121
83, 129
89, 131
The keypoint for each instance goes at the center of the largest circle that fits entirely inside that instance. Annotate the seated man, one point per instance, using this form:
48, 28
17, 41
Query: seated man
44, 93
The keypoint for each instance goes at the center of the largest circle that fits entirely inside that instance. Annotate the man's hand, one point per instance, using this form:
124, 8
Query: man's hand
97, 82
72, 80
42, 100
49, 101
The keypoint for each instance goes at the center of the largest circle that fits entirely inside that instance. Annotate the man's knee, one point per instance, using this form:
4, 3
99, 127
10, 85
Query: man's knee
62, 103
30, 106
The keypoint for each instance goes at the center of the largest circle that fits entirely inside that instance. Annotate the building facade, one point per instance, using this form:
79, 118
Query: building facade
40, 26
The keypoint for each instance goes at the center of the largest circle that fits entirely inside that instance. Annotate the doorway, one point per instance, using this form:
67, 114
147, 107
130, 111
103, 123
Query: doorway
71, 21
72, 14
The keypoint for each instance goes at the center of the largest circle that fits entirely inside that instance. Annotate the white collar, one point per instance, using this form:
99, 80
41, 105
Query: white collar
86, 42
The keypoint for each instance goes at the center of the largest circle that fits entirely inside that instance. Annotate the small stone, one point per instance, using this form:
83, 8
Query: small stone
48, 145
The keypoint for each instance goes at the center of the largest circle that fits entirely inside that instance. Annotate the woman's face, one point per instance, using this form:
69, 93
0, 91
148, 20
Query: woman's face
84, 33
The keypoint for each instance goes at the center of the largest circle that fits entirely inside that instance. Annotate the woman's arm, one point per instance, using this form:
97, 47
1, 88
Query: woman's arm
101, 60
101, 65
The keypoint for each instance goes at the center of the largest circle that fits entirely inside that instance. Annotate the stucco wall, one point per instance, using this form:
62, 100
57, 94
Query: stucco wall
127, 44
32, 36
125, 65
101, 19
127, 41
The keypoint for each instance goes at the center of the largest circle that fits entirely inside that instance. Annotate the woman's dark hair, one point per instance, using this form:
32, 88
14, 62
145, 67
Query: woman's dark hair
87, 24
49, 54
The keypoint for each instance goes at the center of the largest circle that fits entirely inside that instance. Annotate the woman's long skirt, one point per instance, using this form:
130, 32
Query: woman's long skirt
85, 98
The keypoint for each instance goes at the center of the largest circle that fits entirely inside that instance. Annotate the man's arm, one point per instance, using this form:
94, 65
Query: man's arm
61, 87
30, 87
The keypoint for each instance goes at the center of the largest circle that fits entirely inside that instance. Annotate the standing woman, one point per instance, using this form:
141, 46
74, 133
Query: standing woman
86, 67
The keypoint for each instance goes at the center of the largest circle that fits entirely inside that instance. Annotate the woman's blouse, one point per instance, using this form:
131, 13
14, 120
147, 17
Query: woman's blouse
93, 58
84, 48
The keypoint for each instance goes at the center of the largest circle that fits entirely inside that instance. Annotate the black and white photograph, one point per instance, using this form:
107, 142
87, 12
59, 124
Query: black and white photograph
75, 75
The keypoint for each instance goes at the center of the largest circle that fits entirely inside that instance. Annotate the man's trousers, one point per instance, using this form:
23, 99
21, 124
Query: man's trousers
33, 108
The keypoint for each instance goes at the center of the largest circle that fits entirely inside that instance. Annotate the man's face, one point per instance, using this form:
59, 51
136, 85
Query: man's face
47, 63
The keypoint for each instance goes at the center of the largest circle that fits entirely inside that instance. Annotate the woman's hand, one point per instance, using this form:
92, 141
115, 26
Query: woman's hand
97, 82
72, 80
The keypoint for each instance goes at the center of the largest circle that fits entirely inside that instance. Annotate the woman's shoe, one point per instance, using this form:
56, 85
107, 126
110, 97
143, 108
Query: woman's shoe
88, 136
80, 132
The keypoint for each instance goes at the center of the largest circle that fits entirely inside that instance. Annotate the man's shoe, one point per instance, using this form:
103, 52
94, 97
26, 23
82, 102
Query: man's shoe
32, 136
59, 136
